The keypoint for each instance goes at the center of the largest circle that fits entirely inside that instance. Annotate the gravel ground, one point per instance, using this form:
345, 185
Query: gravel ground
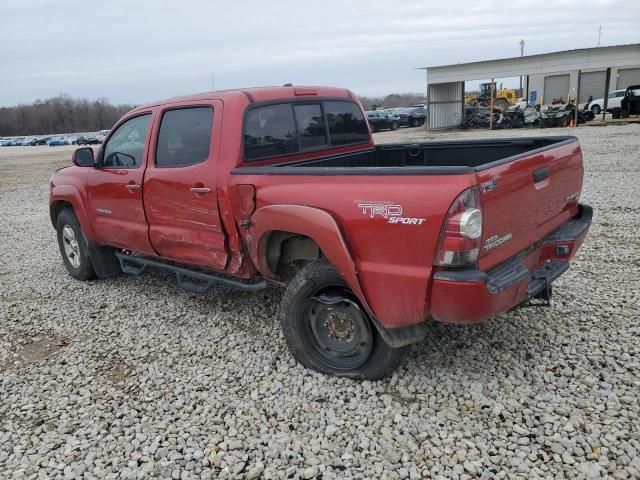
131, 378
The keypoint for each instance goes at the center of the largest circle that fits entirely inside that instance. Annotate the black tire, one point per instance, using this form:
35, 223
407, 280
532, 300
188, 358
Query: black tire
616, 113
83, 269
596, 109
415, 122
304, 320
394, 125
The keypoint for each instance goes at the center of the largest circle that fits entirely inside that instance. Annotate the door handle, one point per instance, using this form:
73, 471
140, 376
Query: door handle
132, 187
540, 174
200, 189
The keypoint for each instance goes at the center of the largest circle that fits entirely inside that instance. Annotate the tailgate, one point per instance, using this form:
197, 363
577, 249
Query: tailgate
526, 197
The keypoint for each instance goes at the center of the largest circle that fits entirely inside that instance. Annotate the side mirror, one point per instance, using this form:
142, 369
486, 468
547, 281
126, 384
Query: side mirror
83, 157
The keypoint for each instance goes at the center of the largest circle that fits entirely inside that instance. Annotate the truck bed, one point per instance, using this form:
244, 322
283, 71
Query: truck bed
446, 157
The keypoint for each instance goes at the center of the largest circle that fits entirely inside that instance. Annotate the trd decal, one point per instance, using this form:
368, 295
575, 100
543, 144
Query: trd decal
389, 211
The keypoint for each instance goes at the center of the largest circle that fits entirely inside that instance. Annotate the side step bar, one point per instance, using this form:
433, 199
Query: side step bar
192, 280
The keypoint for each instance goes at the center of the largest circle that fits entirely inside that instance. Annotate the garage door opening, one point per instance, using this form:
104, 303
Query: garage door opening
556, 89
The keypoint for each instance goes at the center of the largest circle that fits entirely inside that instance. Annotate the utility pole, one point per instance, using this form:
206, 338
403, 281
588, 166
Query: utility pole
492, 96
521, 43
599, 34
213, 85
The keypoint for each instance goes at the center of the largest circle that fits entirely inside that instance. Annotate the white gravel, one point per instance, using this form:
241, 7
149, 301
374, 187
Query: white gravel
133, 377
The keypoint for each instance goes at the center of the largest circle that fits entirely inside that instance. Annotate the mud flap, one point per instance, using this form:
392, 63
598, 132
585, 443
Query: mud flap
104, 261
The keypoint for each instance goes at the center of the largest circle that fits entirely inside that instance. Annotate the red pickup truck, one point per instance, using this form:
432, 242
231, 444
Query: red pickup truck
284, 185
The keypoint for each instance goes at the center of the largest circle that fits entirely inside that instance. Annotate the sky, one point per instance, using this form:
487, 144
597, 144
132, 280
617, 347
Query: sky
143, 50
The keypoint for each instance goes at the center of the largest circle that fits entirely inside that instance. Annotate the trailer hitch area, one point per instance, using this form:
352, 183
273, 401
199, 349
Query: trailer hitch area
544, 295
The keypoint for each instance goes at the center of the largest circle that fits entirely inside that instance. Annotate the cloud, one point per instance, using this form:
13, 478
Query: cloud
144, 50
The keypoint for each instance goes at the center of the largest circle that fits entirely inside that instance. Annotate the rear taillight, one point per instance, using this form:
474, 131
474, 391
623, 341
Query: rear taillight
461, 234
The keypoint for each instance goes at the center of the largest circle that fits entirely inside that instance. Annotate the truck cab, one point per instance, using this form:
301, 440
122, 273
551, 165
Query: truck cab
284, 186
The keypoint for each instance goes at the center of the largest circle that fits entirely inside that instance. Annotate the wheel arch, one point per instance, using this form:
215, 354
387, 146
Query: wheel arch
275, 224
67, 196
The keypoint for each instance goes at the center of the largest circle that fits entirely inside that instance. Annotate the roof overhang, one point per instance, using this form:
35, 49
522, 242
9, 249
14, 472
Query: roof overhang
597, 58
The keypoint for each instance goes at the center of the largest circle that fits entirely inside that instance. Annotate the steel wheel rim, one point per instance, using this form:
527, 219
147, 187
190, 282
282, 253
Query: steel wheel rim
339, 334
71, 247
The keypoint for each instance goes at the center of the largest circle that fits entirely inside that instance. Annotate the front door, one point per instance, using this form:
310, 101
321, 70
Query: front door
115, 187
180, 186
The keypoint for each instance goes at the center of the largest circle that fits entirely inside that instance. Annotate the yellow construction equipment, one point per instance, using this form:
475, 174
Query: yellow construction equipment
503, 97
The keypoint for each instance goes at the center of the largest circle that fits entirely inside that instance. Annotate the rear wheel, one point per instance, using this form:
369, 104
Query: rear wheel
73, 246
414, 122
394, 125
327, 330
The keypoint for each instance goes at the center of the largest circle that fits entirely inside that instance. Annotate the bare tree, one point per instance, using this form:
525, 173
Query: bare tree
392, 101
61, 114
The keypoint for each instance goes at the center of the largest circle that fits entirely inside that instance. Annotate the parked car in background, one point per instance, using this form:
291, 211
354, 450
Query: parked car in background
412, 116
613, 101
7, 142
25, 142
88, 139
630, 103
392, 112
102, 135
56, 142
382, 120
71, 140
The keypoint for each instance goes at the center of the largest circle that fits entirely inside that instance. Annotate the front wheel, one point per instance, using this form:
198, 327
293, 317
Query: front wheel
596, 109
73, 246
327, 330
394, 125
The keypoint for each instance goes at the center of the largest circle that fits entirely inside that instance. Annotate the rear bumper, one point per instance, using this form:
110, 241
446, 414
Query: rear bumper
471, 296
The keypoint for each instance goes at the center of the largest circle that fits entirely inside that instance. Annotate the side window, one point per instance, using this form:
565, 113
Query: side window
620, 94
311, 125
346, 123
125, 147
184, 137
270, 131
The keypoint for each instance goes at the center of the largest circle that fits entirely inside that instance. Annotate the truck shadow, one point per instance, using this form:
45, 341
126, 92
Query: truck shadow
516, 338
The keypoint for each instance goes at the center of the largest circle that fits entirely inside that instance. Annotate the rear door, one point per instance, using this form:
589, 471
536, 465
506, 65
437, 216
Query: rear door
527, 198
114, 187
180, 186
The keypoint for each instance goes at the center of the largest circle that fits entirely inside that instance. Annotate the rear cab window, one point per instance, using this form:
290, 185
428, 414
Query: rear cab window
185, 137
293, 127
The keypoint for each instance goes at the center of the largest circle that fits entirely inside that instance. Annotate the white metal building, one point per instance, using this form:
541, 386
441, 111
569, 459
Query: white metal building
583, 72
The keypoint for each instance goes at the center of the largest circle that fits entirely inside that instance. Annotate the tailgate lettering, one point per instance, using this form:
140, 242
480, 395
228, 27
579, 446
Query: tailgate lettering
496, 241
